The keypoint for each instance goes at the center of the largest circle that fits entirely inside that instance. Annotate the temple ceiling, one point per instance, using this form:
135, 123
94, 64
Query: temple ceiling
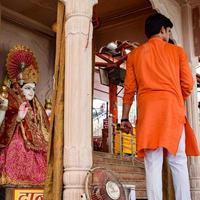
110, 8
43, 11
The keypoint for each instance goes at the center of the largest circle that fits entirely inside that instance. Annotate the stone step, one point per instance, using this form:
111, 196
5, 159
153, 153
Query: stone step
101, 157
141, 194
125, 176
112, 161
129, 171
118, 162
121, 168
140, 185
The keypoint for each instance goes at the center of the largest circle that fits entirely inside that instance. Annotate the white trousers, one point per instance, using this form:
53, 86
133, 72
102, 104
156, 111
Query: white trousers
178, 164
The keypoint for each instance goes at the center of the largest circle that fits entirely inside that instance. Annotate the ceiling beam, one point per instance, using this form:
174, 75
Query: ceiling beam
125, 17
17, 18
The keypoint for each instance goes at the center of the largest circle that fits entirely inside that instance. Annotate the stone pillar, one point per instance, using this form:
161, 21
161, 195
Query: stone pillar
78, 96
196, 28
193, 162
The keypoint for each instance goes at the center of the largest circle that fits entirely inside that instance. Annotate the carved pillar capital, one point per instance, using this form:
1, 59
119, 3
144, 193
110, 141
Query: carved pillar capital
79, 16
194, 3
184, 2
79, 7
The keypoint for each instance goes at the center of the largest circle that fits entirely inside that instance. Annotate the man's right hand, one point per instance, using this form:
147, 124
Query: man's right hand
126, 127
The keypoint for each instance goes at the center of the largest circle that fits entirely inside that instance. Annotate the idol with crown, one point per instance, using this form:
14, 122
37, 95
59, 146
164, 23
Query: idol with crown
24, 124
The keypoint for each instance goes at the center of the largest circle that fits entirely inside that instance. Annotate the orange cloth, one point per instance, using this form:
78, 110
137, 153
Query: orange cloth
160, 75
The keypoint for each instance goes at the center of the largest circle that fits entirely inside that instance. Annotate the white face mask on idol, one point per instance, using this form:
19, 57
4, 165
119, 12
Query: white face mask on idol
29, 91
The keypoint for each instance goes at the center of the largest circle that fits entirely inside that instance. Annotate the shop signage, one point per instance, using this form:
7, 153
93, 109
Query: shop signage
28, 194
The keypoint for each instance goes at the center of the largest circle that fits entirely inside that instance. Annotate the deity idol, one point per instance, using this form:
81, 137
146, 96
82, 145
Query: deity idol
24, 124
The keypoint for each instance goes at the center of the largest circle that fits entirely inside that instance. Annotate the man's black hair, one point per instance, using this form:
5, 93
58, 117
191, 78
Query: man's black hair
154, 23
171, 41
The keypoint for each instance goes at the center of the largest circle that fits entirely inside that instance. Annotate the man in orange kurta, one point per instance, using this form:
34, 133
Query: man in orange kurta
158, 72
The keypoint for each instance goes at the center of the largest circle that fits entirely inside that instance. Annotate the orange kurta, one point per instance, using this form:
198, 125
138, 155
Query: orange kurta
160, 75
